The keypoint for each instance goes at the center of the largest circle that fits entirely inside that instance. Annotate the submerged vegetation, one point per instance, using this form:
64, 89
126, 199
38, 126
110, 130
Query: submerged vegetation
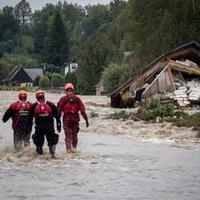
155, 112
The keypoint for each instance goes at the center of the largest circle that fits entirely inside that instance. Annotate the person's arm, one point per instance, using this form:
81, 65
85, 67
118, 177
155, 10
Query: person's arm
8, 114
60, 106
56, 115
82, 110
30, 115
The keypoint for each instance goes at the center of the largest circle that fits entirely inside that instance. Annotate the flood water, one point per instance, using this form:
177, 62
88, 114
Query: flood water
106, 166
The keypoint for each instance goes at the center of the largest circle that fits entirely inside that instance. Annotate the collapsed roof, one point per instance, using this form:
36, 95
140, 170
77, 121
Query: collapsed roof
161, 74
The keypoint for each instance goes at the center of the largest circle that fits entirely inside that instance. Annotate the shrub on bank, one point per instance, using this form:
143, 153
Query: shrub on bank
152, 110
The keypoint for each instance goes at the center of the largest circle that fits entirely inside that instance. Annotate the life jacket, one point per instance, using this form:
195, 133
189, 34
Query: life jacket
21, 107
71, 104
42, 109
21, 111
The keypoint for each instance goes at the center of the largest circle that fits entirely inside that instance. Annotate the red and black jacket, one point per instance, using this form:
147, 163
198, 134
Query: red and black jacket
18, 111
44, 117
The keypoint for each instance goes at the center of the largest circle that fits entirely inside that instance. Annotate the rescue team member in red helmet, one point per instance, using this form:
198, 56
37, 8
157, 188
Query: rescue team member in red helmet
18, 111
70, 105
44, 113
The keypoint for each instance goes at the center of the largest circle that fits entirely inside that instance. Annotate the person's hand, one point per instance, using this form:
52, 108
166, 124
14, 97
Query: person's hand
58, 127
87, 123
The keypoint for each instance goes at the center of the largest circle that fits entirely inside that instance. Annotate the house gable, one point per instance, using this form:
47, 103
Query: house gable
24, 75
20, 76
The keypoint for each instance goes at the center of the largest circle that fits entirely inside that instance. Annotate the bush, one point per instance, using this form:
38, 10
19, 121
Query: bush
44, 82
57, 80
115, 75
145, 115
120, 115
36, 81
93, 114
189, 121
154, 109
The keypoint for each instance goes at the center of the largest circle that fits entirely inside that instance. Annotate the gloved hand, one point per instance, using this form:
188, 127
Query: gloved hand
87, 123
86, 119
58, 127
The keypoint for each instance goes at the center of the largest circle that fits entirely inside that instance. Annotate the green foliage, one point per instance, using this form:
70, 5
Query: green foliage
145, 115
121, 115
36, 81
8, 24
171, 20
57, 80
97, 19
115, 75
26, 44
14, 59
154, 109
152, 105
70, 77
94, 114
40, 29
6, 47
181, 114
44, 82
93, 58
116, 6
56, 44
157, 109
189, 121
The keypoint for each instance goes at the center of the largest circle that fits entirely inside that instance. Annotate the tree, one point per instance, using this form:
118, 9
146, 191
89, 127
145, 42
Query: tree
26, 44
95, 55
56, 45
36, 81
97, 19
116, 6
44, 82
115, 75
56, 80
40, 21
70, 77
23, 12
8, 24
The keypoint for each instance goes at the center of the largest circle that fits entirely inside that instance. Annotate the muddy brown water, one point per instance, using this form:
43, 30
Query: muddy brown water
104, 167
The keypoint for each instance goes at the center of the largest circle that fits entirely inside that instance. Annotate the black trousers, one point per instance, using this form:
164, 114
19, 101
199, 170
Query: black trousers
39, 137
21, 138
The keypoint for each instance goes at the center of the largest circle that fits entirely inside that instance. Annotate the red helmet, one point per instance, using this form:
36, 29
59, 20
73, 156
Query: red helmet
39, 93
22, 94
69, 86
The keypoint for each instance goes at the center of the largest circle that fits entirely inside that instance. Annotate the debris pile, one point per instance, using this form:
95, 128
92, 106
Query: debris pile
187, 94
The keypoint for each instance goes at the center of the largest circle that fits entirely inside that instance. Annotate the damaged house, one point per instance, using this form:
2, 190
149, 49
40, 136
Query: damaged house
174, 76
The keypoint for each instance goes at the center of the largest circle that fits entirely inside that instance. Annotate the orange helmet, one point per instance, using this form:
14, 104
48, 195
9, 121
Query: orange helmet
39, 93
69, 86
22, 93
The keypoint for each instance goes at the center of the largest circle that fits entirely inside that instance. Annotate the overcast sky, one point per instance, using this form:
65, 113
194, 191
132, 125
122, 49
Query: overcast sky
38, 4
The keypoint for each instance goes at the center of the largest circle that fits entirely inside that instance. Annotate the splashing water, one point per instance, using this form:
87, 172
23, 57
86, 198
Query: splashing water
110, 163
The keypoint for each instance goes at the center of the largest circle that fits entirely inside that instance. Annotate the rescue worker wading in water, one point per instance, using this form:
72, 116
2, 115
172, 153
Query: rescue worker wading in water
70, 105
44, 113
18, 111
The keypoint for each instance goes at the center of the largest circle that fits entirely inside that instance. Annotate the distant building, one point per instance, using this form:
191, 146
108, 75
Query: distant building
71, 68
100, 89
23, 76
